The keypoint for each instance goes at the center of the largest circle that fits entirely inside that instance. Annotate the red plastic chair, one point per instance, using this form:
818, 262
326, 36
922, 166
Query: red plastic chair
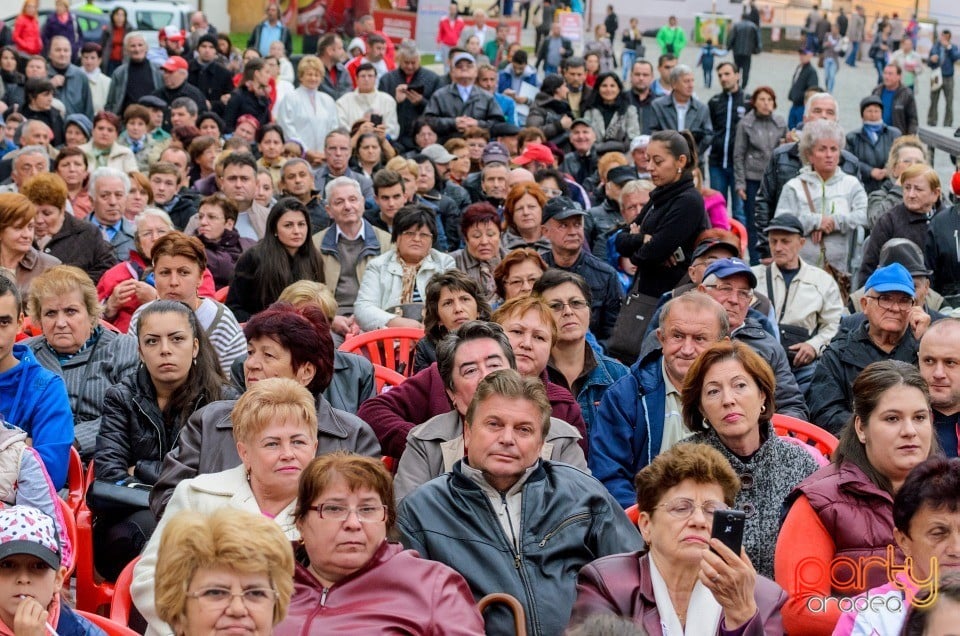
71, 528
221, 294
386, 378
109, 326
633, 514
76, 481
391, 347
737, 228
390, 463
120, 608
93, 593
787, 426
112, 628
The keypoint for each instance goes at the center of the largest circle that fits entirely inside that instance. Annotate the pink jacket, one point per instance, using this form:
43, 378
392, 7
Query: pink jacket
395, 592
716, 207
620, 584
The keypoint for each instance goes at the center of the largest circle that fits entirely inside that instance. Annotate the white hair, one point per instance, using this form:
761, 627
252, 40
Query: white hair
154, 213
108, 173
341, 181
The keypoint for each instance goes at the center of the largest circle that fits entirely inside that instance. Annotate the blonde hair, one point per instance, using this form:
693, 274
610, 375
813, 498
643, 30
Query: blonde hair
402, 164
272, 400
519, 307
46, 188
308, 292
901, 142
637, 185
227, 538
60, 280
310, 63
610, 160
922, 171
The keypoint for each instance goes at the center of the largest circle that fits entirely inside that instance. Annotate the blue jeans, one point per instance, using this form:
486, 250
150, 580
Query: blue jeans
854, 51
830, 69
750, 220
627, 58
879, 63
795, 117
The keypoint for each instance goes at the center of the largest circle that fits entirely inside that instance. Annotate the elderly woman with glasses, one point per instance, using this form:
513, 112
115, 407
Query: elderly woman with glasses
728, 402
398, 278
517, 273
345, 561
687, 582
576, 362
206, 563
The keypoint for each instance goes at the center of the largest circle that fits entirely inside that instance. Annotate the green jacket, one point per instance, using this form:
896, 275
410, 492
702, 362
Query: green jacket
671, 38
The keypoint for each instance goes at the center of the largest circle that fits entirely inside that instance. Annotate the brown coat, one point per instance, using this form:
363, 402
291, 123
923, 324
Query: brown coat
32, 265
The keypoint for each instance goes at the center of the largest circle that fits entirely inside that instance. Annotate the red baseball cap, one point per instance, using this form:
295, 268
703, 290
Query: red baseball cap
955, 183
175, 63
535, 152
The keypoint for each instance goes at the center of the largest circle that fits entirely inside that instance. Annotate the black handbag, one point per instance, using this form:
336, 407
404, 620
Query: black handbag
627, 338
109, 498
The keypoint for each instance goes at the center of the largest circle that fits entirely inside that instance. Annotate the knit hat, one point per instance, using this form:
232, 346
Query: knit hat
26, 530
209, 38
870, 100
81, 121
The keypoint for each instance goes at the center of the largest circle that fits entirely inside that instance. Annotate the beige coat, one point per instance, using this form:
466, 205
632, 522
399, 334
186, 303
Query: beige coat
202, 494
813, 301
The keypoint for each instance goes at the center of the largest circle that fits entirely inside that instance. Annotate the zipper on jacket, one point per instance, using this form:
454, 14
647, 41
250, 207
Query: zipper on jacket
517, 552
563, 524
158, 429
323, 597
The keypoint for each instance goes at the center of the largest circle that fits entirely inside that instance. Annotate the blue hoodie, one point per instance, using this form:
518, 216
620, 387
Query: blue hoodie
35, 400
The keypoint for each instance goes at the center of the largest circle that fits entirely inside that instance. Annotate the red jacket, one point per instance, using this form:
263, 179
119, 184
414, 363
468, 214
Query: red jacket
395, 592
26, 35
132, 268
422, 396
620, 584
449, 32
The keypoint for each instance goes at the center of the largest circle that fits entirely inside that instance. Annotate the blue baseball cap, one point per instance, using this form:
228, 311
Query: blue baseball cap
892, 278
727, 267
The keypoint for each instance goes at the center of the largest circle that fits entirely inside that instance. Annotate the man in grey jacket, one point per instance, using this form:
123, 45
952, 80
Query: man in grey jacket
464, 357
73, 88
681, 110
510, 521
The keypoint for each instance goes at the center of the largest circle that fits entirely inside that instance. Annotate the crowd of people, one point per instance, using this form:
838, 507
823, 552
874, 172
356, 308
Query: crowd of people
624, 292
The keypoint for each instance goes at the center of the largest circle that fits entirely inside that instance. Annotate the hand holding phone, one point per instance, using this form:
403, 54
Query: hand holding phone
728, 527
376, 119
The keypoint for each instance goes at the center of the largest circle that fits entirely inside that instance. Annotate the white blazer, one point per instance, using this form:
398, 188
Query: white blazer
203, 494
306, 122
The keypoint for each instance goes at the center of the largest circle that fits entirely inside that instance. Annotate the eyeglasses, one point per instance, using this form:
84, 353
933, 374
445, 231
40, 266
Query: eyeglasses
339, 512
515, 282
220, 598
576, 304
682, 508
743, 295
890, 303
420, 236
552, 193
154, 233
211, 217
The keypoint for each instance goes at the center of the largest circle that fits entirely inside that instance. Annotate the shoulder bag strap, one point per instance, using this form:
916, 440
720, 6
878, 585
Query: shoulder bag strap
823, 245
770, 294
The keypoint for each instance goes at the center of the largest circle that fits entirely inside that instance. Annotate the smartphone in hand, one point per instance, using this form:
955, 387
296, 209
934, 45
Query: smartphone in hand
375, 119
728, 527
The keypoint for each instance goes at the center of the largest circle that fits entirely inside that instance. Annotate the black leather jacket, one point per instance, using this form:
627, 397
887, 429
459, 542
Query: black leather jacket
133, 432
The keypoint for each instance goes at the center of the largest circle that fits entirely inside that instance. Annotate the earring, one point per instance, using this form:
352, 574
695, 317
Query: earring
763, 408
679, 170
706, 424
194, 362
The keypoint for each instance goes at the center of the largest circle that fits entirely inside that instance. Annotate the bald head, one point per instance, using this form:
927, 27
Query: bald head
519, 175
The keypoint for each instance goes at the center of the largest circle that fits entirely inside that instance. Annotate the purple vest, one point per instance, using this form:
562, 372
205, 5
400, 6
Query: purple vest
859, 517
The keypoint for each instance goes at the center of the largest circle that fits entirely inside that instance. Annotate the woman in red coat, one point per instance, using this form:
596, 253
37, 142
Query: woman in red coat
26, 30
349, 578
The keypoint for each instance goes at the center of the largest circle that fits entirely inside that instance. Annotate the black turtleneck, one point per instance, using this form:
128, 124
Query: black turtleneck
139, 82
